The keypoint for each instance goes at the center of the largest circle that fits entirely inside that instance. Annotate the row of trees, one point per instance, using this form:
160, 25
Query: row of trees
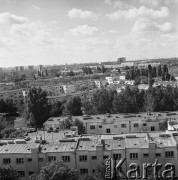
129, 100
132, 100
159, 71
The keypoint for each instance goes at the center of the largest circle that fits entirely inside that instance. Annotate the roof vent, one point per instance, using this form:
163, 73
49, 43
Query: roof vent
28, 149
6, 150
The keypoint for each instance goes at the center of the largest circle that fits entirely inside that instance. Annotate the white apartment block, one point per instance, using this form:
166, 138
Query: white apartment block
15, 95
70, 88
86, 153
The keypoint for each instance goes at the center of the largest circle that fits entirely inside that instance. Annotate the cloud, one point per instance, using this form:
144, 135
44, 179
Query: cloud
117, 4
12, 18
157, 3
146, 26
78, 13
36, 8
139, 12
112, 31
83, 30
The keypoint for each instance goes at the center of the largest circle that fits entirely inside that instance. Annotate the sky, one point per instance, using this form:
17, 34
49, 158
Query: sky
49, 32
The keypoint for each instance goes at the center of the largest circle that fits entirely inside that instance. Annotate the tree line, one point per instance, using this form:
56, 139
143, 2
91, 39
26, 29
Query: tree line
161, 71
129, 100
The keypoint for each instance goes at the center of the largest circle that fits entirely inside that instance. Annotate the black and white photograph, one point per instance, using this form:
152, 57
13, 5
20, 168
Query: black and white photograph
88, 89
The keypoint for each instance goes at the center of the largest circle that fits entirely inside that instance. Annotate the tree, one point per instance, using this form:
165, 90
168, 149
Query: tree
88, 108
56, 109
57, 171
12, 133
73, 106
102, 100
129, 100
7, 106
67, 123
9, 174
38, 106
163, 125
79, 124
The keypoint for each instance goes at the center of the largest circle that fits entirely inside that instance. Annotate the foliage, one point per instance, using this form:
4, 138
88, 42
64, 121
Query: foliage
8, 174
57, 171
73, 106
38, 107
7, 106
56, 109
79, 124
102, 100
67, 123
162, 99
163, 125
129, 100
88, 108
11, 133
86, 70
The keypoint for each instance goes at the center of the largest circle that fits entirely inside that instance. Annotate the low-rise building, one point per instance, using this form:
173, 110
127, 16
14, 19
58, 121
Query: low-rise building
86, 153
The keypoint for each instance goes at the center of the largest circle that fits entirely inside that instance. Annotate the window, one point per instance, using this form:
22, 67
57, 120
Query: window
152, 128
133, 155
83, 171
169, 154
105, 157
19, 160
144, 124
93, 157
83, 158
29, 159
116, 156
135, 124
115, 126
100, 126
30, 173
92, 127
123, 125
40, 159
21, 173
51, 158
66, 158
6, 161
107, 130
145, 155
158, 154
93, 171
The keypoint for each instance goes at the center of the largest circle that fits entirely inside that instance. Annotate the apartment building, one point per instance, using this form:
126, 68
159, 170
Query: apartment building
70, 88
15, 95
120, 123
84, 95
85, 153
53, 90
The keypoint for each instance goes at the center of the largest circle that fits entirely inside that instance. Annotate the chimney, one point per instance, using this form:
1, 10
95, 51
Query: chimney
150, 76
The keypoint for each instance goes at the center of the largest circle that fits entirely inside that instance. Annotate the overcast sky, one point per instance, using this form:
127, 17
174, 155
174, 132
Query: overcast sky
51, 32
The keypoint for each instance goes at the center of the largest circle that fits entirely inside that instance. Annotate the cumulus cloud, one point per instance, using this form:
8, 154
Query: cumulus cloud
83, 30
78, 13
159, 2
139, 12
12, 18
117, 4
145, 25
